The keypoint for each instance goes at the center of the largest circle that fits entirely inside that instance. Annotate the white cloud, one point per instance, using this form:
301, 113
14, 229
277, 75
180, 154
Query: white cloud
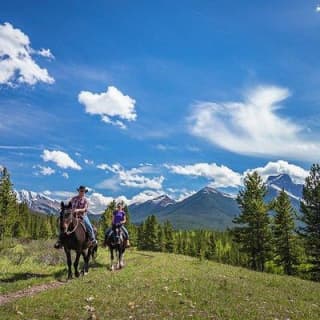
222, 176
109, 184
16, 63
297, 173
109, 105
45, 53
164, 147
60, 195
60, 158
65, 175
253, 127
134, 177
318, 8
145, 196
47, 171
98, 202
89, 162
44, 171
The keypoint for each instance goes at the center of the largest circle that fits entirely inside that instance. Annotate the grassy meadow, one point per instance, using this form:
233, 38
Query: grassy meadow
151, 286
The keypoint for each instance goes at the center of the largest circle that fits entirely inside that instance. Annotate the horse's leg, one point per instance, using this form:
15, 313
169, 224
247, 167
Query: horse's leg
86, 257
76, 264
111, 259
69, 262
122, 256
119, 256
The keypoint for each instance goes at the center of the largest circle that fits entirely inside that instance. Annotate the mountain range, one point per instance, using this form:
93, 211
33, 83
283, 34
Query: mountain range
208, 208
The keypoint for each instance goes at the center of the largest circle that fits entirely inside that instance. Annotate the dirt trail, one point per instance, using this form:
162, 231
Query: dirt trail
9, 297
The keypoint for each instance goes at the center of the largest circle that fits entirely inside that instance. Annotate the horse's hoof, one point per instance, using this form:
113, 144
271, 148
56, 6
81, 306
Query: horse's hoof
70, 277
77, 274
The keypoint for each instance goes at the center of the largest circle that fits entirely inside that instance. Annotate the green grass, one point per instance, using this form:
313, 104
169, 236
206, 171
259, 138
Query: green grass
167, 286
24, 264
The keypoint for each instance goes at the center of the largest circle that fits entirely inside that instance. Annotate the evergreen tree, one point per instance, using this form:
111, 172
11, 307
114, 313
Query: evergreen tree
106, 219
253, 230
168, 235
161, 243
285, 241
151, 233
283, 233
310, 207
8, 206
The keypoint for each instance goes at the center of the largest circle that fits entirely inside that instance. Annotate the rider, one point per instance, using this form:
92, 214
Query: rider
79, 205
119, 218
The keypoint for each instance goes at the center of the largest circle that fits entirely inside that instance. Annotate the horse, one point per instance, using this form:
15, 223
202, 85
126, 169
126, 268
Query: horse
116, 243
73, 237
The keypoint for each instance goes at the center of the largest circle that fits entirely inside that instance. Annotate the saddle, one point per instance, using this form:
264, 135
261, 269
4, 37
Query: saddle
116, 234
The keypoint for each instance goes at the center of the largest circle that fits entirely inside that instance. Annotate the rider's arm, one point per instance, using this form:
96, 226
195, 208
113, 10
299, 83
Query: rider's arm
124, 220
113, 218
82, 211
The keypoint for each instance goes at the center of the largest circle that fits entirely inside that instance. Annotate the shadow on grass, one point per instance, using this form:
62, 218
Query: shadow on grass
23, 276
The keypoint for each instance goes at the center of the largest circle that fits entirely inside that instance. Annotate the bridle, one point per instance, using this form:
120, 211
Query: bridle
66, 232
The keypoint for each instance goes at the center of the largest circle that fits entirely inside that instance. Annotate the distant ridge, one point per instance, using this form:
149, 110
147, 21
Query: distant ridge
208, 208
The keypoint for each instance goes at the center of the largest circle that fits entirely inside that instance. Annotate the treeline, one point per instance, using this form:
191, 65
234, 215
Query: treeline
267, 233
17, 220
154, 236
265, 236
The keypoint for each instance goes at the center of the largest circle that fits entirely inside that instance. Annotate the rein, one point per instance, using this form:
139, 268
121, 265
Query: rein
74, 229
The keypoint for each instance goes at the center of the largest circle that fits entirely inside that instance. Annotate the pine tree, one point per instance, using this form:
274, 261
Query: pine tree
253, 230
106, 219
161, 243
8, 206
283, 234
151, 233
168, 234
310, 207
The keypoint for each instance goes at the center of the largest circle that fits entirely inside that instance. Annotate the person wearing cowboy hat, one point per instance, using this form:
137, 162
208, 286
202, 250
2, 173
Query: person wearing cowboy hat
79, 205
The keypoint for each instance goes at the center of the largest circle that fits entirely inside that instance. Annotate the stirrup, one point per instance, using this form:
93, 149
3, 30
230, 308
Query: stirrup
58, 245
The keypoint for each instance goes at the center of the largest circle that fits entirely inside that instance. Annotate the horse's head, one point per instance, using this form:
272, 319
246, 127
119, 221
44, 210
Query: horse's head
65, 216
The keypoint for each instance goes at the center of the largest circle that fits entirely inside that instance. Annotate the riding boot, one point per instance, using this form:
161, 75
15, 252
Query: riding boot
58, 244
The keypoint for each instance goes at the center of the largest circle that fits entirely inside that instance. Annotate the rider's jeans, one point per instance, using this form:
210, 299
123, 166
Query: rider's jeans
89, 227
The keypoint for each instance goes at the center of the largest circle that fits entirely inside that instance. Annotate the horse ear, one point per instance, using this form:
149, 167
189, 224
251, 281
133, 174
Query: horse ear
62, 205
69, 205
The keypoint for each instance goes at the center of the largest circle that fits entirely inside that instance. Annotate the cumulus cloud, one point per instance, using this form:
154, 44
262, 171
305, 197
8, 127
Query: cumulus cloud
318, 8
60, 158
113, 106
45, 171
253, 127
134, 177
65, 175
221, 176
16, 62
145, 196
297, 173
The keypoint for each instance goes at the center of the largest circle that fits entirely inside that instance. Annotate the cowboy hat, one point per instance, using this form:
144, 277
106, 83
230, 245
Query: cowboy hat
83, 188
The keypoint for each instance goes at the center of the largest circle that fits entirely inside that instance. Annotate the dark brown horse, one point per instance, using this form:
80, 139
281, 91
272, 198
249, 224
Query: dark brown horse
73, 237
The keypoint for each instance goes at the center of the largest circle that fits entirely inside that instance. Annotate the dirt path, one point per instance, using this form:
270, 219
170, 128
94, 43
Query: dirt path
9, 297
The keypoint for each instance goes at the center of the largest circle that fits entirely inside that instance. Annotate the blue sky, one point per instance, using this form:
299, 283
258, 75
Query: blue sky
147, 98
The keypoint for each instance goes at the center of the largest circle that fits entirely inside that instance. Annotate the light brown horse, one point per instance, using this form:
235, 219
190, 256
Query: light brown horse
73, 237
